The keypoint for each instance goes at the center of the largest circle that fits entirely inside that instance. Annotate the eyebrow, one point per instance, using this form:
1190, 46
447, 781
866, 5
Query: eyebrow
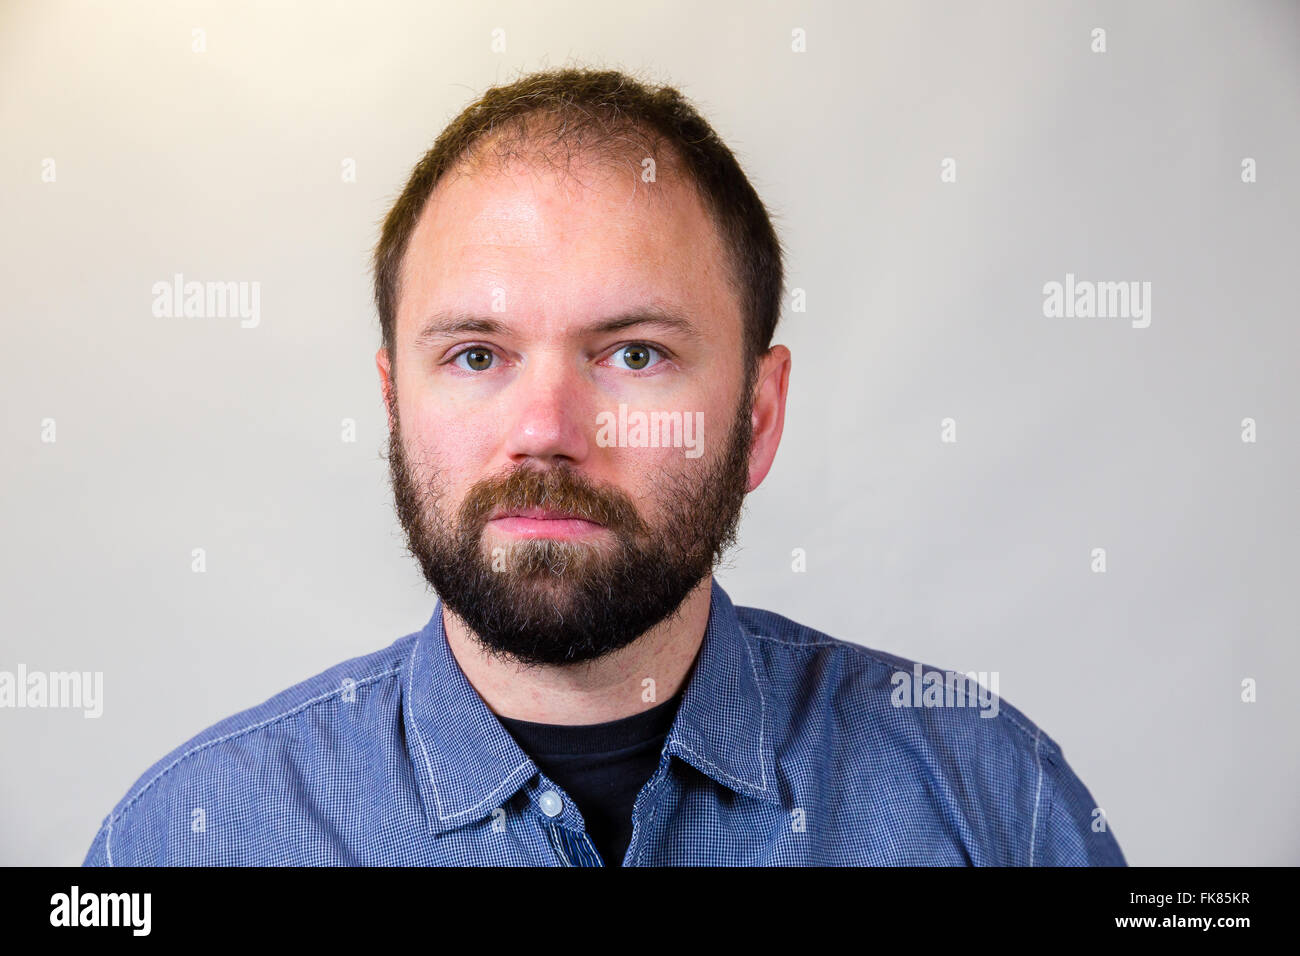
448, 325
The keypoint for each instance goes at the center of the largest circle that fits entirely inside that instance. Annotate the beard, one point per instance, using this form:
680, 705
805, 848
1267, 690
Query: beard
553, 601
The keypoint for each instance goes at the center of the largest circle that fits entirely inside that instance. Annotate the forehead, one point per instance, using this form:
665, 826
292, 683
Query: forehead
566, 246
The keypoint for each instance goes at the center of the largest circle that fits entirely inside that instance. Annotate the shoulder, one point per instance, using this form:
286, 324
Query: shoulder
230, 765
844, 711
862, 684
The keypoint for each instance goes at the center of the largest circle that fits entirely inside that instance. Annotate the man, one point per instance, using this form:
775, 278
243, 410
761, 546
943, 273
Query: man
577, 293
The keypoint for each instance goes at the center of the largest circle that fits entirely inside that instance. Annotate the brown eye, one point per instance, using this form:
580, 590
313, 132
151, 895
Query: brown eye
636, 357
477, 359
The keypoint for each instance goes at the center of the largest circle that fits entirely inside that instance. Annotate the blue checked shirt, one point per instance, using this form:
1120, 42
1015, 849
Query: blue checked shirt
789, 747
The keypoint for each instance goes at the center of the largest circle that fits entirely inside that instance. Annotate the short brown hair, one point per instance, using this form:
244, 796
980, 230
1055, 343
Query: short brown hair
593, 112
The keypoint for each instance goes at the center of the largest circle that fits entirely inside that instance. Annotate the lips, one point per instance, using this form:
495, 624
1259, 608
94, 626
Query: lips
540, 514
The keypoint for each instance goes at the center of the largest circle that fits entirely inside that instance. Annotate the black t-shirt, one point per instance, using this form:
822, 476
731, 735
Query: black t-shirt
601, 766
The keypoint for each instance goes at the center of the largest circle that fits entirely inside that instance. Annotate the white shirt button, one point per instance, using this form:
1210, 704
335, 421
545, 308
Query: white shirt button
551, 803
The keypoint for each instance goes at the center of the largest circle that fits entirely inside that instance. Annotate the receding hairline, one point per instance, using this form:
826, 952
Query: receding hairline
546, 140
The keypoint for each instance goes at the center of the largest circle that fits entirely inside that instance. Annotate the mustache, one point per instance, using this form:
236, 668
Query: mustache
560, 489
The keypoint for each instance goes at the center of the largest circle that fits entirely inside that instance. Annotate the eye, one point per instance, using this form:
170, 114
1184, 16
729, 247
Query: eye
637, 356
478, 357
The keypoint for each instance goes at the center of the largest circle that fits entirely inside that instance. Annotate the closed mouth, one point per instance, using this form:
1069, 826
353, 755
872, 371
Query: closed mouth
540, 514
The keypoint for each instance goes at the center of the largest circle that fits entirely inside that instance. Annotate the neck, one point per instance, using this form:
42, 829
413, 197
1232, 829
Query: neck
592, 692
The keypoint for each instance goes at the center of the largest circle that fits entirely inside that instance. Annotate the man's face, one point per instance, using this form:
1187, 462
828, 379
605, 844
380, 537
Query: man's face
521, 413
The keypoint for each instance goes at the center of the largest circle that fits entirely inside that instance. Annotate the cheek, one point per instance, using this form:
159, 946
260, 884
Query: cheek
456, 447
647, 475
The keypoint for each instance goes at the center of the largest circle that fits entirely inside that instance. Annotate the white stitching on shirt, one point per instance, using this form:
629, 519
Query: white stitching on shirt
762, 716
424, 751
558, 845
640, 850
866, 652
718, 770
1033, 827
428, 764
237, 733
1036, 735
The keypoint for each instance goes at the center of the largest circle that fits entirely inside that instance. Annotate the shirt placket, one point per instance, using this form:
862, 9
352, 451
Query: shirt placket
562, 823
644, 809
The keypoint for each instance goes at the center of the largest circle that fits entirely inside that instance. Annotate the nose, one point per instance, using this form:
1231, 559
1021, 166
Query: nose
549, 415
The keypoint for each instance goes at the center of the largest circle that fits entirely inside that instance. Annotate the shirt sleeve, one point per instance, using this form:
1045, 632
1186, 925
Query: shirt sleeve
98, 853
1070, 828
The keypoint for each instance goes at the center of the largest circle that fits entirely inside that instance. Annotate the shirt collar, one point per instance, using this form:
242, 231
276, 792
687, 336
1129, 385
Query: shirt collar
466, 764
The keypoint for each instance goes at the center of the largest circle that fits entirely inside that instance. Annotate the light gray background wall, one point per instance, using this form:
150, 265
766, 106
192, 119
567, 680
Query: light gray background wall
924, 302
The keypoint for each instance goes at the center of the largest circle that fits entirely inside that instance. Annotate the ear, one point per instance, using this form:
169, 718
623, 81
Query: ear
771, 387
